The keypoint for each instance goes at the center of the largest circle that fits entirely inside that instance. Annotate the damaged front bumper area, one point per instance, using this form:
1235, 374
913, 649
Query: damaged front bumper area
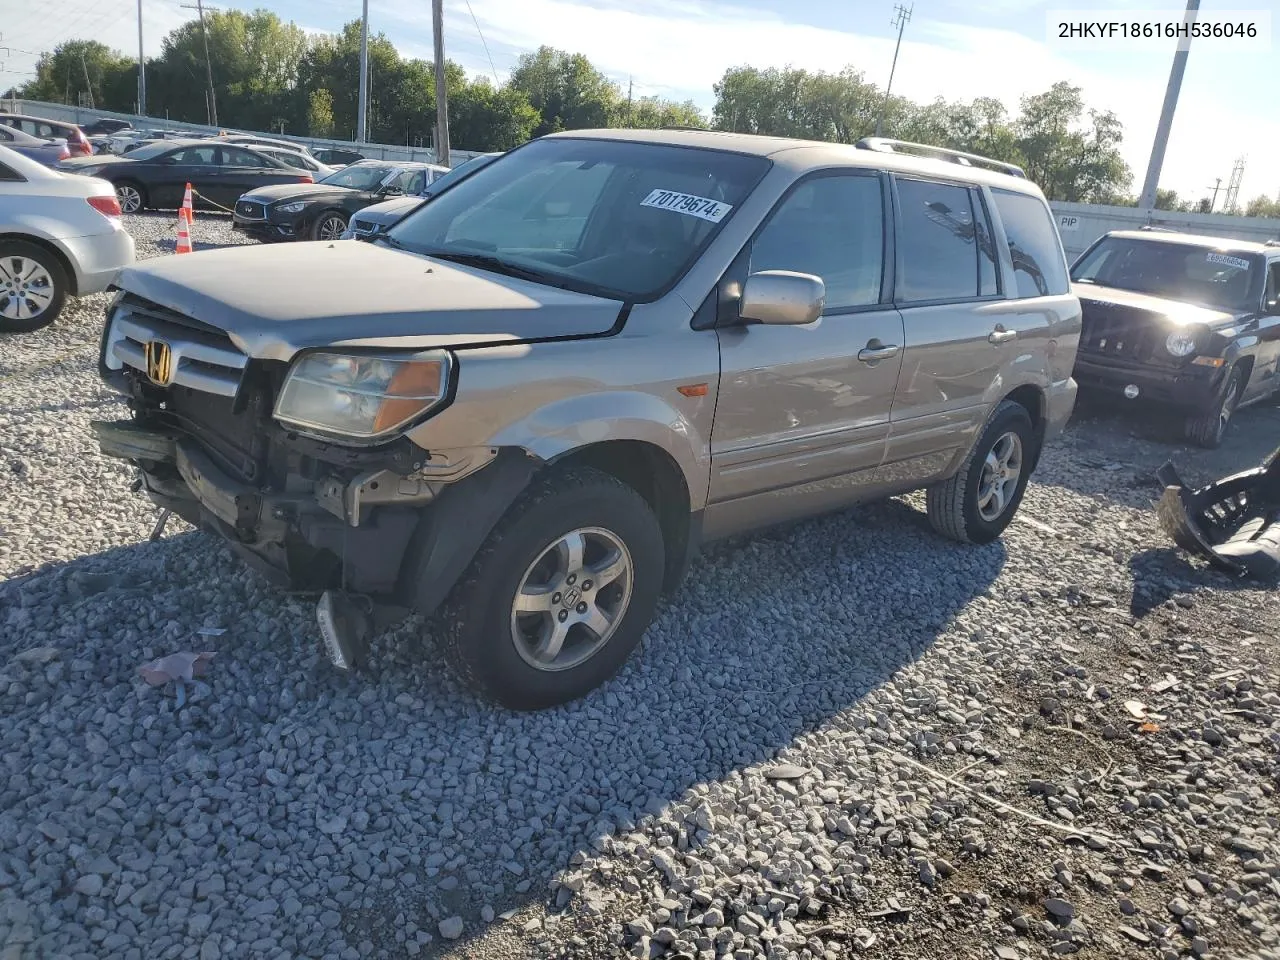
307, 524
1234, 522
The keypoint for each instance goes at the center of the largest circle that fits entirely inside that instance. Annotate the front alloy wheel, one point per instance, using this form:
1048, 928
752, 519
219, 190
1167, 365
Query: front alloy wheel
560, 592
571, 599
1208, 429
331, 226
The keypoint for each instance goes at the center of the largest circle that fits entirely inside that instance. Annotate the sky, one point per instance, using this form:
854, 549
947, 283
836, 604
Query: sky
957, 49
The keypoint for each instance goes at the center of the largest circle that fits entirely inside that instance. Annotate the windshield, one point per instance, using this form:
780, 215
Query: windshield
359, 177
1177, 271
457, 173
616, 218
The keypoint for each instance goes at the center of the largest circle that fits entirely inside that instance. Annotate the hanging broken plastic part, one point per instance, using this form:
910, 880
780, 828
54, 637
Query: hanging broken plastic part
158, 530
345, 628
1234, 523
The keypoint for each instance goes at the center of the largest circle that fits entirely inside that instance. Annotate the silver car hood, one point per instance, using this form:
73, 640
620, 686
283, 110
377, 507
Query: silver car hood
276, 300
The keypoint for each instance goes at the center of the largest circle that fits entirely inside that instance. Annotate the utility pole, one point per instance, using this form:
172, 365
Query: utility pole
442, 99
208, 63
142, 68
901, 16
88, 85
361, 115
1147, 200
1217, 185
630, 82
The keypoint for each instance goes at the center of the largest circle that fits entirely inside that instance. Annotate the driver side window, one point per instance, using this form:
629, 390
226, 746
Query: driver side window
831, 227
1271, 299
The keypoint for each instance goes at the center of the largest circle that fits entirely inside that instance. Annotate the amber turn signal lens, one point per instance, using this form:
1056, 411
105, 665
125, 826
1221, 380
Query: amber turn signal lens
413, 387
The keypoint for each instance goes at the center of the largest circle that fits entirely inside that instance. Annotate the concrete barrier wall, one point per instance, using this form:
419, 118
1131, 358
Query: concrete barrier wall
83, 115
1080, 224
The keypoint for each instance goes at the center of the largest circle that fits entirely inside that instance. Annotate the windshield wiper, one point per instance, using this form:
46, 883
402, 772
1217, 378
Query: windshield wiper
488, 261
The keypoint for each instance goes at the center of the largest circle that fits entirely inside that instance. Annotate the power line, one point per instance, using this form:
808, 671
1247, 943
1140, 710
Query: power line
485, 43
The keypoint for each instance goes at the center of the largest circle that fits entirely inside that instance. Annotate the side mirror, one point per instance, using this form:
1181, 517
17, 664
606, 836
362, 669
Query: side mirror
781, 297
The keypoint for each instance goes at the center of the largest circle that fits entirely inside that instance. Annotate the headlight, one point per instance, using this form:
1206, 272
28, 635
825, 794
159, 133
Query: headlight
292, 207
362, 397
1182, 343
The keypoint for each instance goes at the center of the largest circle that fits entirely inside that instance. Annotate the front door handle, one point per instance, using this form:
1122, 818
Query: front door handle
1000, 335
875, 351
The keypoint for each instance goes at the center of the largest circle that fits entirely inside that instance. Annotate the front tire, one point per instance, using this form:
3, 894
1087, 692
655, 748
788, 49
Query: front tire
33, 287
1208, 429
330, 225
979, 501
560, 594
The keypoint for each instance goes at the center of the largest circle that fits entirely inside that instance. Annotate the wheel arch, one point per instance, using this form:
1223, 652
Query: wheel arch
654, 474
51, 247
1033, 399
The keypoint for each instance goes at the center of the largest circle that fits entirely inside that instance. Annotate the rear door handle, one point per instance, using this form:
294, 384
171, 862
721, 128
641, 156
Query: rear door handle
870, 354
1001, 335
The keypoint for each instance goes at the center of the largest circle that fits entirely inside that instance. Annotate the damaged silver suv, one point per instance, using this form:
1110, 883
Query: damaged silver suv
530, 401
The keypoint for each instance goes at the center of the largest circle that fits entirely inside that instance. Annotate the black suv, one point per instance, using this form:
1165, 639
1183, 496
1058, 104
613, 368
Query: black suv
1190, 323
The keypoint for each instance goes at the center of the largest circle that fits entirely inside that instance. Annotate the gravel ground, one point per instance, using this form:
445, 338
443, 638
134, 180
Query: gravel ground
843, 737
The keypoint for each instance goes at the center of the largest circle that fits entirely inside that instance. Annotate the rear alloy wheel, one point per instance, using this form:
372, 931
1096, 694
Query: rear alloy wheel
979, 501
330, 225
1208, 429
560, 593
33, 287
130, 197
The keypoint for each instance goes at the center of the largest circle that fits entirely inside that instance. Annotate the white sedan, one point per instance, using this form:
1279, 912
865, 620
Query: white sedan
60, 236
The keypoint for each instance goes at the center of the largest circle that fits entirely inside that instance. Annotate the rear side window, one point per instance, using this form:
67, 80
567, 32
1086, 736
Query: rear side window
944, 243
7, 173
1038, 267
833, 228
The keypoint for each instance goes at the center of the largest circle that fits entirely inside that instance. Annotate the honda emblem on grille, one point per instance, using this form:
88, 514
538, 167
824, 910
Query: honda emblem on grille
159, 358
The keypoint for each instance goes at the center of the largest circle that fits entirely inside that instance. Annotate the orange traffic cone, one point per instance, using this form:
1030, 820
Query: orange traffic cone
187, 210
184, 234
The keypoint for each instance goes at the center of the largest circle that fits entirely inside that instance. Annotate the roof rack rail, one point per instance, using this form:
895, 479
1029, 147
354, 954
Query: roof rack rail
885, 145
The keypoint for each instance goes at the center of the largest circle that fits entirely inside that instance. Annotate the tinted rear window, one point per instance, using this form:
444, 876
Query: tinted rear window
943, 243
1039, 269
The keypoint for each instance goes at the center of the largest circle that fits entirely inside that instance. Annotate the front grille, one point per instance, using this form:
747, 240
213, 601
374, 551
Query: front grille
251, 210
1125, 333
202, 357
364, 228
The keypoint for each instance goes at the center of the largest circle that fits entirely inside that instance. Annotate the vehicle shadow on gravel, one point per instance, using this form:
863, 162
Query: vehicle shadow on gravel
1112, 452
1163, 574
311, 813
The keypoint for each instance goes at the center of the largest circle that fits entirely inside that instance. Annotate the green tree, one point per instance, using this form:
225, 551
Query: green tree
487, 118
1071, 158
652, 113
60, 76
320, 113
1263, 207
568, 92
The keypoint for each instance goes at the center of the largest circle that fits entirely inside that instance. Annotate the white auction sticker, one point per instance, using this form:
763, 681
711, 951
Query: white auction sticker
1226, 261
687, 203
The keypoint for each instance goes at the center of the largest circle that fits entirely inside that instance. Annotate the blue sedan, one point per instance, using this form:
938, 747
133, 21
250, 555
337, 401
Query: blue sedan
47, 152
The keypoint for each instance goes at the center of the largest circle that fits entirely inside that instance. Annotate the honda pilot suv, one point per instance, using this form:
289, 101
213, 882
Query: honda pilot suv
528, 403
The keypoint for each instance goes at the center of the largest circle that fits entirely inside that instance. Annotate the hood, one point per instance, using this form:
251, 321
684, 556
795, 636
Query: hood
389, 211
1094, 298
276, 300
295, 191
96, 160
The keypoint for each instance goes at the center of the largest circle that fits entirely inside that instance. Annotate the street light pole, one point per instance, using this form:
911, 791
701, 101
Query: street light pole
142, 68
361, 131
902, 15
1147, 200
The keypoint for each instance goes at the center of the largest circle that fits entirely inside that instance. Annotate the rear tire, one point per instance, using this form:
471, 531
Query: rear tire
505, 649
1208, 429
132, 197
33, 287
979, 501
